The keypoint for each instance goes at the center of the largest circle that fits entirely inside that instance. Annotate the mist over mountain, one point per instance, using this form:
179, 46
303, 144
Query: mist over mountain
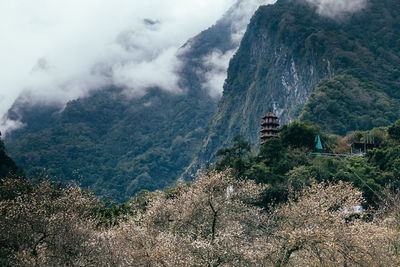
118, 143
128, 44
338, 69
337, 8
76, 47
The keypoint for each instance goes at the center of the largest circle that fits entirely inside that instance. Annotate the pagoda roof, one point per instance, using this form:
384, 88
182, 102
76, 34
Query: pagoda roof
270, 115
267, 136
264, 123
263, 130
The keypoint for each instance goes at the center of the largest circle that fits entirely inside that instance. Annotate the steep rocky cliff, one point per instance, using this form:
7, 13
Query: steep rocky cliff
275, 69
289, 50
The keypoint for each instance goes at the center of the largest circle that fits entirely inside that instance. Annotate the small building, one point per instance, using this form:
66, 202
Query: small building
361, 148
269, 127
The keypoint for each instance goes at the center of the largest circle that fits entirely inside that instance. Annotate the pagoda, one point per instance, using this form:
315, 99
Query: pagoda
269, 127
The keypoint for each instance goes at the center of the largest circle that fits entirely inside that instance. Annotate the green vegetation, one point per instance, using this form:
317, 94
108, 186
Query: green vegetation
114, 145
363, 90
287, 166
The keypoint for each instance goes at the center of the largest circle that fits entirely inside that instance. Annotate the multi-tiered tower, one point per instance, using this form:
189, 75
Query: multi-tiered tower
269, 127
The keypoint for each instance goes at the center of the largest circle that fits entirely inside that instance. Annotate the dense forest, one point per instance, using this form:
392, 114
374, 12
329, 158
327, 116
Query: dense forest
113, 144
286, 206
364, 90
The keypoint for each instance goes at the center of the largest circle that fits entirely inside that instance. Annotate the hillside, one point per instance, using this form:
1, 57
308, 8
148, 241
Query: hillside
341, 73
118, 145
364, 91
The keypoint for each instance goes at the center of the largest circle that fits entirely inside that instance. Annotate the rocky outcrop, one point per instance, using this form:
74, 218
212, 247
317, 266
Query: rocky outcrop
272, 71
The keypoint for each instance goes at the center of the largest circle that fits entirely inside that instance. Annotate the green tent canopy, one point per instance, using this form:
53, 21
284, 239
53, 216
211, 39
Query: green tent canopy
318, 143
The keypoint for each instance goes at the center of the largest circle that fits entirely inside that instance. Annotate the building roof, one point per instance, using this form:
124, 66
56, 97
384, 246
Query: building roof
270, 115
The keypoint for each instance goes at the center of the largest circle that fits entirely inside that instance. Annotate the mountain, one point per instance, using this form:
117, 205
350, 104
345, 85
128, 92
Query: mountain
118, 145
340, 72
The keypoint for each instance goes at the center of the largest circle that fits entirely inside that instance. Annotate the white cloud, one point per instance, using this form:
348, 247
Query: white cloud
217, 62
58, 50
241, 15
154, 72
334, 8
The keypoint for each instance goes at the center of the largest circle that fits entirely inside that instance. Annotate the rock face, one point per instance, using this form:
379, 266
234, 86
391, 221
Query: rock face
272, 71
290, 52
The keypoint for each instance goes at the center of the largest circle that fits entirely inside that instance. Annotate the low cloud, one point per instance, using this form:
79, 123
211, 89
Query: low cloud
335, 8
240, 15
159, 71
55, 51
217, 62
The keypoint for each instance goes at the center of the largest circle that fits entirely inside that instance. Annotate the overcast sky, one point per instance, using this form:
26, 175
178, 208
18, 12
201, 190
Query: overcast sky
58, 50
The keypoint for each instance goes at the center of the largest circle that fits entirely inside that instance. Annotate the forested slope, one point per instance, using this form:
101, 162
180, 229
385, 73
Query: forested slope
116, 145
364, 91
